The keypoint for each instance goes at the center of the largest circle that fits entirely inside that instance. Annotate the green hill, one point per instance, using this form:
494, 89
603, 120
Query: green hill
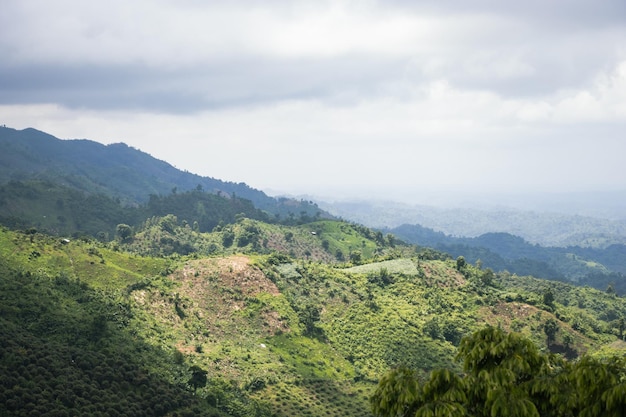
117, 171
61, 210
186, 302
95, 327
598, 267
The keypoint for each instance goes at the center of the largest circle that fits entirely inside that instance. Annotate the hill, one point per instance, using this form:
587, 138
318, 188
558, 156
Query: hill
65, 211
196, 303
545, 228
598, 267
272, 323
118, 171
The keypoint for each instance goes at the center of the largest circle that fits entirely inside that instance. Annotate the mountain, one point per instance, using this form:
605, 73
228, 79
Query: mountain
203, 304
597, 267
545, 228
118, 171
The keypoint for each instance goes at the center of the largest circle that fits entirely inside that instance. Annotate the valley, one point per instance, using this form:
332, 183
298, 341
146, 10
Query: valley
195, 302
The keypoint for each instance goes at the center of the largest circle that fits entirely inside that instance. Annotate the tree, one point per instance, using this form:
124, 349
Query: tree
610, 289
198, 377
499, 367
548, 298
433, 329
356, 257
460, 263
309, 316
124, 232
600, 387
397, 394
550, 327
228, 237
478, 264
505, 375
445, 394
487, 277
168, 223
567, 341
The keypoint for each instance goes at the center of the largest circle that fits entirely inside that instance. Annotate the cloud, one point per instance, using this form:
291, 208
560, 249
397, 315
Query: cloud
365, 93
181, 57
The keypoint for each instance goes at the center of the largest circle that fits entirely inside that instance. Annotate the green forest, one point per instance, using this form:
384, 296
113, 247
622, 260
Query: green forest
196, 302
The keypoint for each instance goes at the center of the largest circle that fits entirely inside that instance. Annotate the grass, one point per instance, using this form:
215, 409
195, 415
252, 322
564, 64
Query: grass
393, 266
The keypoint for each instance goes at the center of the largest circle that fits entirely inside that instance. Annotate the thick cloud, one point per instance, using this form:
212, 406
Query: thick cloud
190, 56
456, 93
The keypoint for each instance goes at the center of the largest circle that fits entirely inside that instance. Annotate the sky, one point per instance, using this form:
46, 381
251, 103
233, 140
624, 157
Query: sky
340, 99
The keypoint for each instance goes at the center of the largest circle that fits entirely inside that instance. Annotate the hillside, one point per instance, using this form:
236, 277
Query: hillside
65, 211
117, 171
292, 332
126, 291
546, 228
598, 267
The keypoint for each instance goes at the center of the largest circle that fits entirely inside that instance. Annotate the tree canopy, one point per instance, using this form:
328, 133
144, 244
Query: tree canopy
506, 375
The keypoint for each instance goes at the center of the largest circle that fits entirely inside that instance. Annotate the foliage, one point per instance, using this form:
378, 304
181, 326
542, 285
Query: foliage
506, 375
61, 210
597, 266
65, 352
276, 330
120, 172
204, 209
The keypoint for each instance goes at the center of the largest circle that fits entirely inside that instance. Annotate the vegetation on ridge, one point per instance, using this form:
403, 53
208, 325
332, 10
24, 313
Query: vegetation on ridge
248, 333
597, 267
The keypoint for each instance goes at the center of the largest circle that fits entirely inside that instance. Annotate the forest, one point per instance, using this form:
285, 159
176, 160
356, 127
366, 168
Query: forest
598, 267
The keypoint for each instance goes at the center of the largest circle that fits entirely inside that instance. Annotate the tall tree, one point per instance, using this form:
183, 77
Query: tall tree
506, 375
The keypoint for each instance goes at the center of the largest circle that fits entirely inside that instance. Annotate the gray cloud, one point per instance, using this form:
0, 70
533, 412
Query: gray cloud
456, 93
94, 61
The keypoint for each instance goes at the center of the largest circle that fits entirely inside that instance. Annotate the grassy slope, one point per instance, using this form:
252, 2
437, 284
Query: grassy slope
304, 337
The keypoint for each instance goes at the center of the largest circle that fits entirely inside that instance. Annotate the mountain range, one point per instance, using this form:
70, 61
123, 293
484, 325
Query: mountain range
130, 288
543, 227
117, 170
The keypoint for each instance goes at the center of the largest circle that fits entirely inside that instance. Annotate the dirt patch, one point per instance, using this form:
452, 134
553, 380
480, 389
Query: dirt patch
234, 272
221, 289
504, 313
449, 278
186, 349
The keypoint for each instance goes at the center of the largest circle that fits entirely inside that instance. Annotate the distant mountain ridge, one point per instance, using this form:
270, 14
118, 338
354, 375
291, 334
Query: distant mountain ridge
116, 170
502, 251
544, 228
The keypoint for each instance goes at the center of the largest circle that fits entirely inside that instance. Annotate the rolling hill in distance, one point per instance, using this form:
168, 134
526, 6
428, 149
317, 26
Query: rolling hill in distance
131, 288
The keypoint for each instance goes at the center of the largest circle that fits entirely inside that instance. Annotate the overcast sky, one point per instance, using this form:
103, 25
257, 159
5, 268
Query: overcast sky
333, 98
